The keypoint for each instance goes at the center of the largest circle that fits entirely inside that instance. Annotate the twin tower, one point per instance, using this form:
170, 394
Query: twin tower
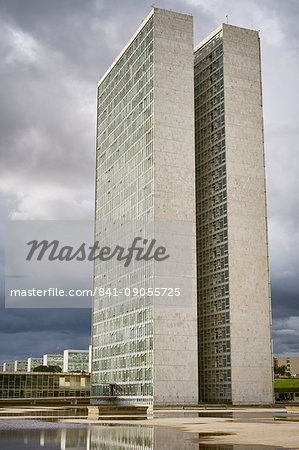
180, 138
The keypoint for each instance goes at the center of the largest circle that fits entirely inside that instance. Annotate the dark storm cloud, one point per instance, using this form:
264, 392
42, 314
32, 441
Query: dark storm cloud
20, 321
38, 343
284, 298
26, 332
52, 54
285, 333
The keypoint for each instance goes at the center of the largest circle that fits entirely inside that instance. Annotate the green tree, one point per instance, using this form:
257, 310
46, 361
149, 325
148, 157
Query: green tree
47, 369
281, 370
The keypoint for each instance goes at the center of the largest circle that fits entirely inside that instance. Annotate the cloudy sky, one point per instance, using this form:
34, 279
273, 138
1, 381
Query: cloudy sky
52, 54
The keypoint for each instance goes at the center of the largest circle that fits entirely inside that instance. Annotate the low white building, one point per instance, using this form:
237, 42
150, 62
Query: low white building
21, 365
8, 367
53, 360
76, 360
34, 362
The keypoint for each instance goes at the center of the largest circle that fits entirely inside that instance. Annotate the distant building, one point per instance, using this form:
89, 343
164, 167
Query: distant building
34, 362
291, 364
53, 360
8, 367
76, 360
1, 367
21, 365
43, 385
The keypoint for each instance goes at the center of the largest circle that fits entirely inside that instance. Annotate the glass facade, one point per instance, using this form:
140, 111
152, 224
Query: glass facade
211, 216
34, 362
131, 438
53, 360
122, 330
9, 367
21, 366
77, 361
35, 385
100, 437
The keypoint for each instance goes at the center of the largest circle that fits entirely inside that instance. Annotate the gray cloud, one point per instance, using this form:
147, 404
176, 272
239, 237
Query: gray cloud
286, 335
52, 55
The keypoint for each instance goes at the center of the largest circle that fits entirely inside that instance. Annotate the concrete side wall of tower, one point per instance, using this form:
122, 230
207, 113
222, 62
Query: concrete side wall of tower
250, 314
175, 330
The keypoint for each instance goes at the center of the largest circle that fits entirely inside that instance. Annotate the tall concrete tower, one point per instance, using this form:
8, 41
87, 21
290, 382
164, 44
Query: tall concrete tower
145, 171
235, 348
176, 125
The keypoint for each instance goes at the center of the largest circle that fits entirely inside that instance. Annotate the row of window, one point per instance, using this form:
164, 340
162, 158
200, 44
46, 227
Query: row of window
208, 154
212, 363
210, 228
209, 117
128, 136
211, 210
112, 336
206, 52
38, 393
129, 112
128, 389
211, 128
212, 66
131, 158
133, 360
137, 361
213, 293
214, 189
122, 317
111, 97
137, 153
124, 348
120, 155
210, 267
216, 305
206, 217
132, 120
120, 375
128, 58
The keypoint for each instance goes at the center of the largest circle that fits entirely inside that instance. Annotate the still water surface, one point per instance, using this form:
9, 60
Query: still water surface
43, 432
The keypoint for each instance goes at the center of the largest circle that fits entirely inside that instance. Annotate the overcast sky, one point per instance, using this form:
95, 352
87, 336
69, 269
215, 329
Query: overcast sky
53, 52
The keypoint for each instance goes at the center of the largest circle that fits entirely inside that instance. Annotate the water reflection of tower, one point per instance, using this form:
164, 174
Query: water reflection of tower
71, 439
42, 439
